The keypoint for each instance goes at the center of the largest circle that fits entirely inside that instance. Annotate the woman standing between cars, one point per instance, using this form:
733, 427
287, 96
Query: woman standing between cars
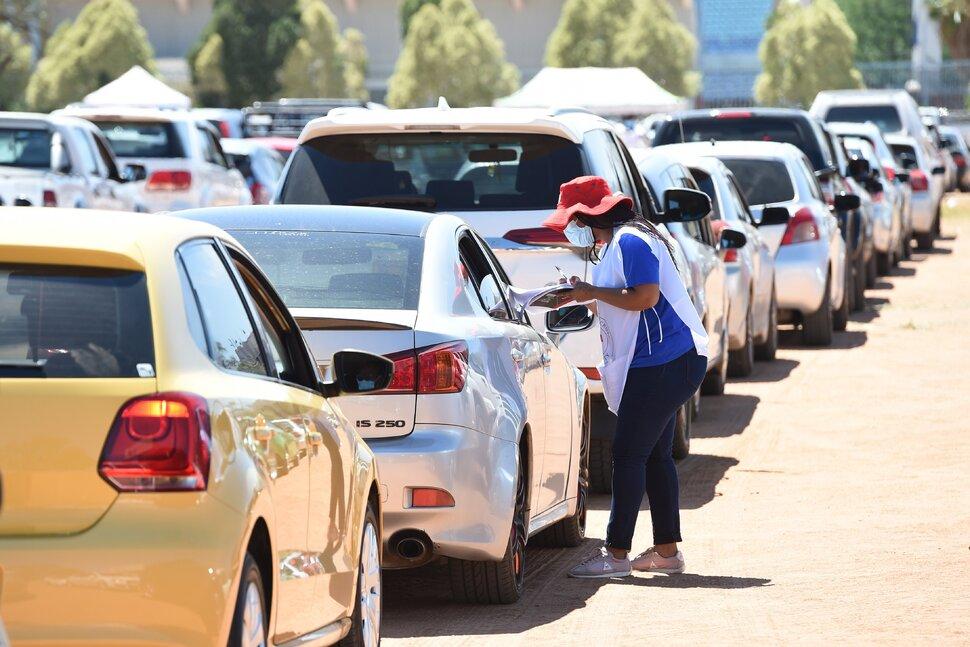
654, 358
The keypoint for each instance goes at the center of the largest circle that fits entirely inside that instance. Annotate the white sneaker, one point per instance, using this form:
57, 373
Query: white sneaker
650, 561
602, 565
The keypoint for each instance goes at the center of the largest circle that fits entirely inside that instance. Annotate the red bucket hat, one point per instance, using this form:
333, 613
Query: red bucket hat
589, 195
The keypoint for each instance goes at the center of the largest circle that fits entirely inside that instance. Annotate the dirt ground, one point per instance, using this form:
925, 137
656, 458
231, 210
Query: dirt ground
827, 499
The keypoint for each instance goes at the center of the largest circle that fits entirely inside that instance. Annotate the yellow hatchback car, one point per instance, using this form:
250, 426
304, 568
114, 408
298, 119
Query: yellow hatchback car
172, 472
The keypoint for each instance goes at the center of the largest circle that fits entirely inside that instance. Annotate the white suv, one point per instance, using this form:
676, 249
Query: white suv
499, 169
180, 151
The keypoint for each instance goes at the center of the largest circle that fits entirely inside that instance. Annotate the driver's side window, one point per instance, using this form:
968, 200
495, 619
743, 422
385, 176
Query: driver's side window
487, 286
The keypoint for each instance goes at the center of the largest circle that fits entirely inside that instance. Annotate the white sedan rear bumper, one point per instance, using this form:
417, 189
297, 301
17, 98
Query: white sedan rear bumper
800, 271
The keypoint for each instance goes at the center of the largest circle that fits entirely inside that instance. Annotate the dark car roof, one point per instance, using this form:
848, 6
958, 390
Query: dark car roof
298, 217
755, 112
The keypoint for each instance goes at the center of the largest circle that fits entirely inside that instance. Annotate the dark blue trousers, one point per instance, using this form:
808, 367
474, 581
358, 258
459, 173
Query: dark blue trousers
642, 448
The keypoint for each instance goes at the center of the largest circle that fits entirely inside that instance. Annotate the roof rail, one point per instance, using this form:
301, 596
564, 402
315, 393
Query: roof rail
566, 110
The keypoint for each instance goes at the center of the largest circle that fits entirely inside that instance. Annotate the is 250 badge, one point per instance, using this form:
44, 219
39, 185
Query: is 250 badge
366, 424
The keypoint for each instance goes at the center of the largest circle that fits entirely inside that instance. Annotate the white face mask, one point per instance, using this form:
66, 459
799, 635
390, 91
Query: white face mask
579, 236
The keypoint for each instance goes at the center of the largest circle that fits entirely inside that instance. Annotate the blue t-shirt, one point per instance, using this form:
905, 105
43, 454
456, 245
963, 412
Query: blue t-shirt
662, 336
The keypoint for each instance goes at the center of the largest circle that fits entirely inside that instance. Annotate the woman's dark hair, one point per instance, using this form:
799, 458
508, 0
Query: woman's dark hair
621, 215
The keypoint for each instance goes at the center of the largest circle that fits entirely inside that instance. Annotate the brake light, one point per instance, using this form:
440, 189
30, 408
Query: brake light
169, 181
441, 368
158, 443
260, 193
50, 198
959, 160
890, 172
591, 372
801, 228
731, 256
733, 114
918, 180
537, 236
224, 129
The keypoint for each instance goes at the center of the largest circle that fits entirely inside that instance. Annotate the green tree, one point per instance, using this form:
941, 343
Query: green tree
354, 53
256, 37
408, 9
451, 51
586, 33
954, 17
654, 41
210, 85
806, 49
14, 67
884, 28
314, 67
626, 33
104, 42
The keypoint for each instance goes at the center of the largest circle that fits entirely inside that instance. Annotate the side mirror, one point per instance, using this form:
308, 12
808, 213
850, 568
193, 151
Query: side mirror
685, 205
846, 201
356, 372
902, 176
826, 172
858, 167
939, 170
569, 319
774, 216
732, 239
134, 173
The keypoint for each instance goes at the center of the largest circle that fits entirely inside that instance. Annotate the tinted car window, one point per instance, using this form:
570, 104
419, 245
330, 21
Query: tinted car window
902, 149
886, 117
706, 184
25, 147
457, 171
60, 321
230, 335
333, 269
763, 181
789, 130
137, 139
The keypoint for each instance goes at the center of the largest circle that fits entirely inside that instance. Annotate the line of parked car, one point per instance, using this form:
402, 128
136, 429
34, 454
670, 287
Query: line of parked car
269, 404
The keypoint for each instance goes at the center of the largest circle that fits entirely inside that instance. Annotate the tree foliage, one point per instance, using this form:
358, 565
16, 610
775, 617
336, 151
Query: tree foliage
314, 67
626, 33
354, 54
14, 67
954, 17
210, 82
408, 9
256, 37
884, 29
806, 49
104, 42
451, 51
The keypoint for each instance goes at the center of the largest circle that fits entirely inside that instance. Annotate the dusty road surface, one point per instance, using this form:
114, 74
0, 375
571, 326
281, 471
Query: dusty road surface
827, 499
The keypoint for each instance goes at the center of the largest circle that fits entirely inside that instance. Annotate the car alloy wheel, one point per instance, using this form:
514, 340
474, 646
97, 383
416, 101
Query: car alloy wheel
370, 587
254, 621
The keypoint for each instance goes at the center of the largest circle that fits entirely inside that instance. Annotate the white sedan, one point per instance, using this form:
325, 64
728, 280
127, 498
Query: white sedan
482, 436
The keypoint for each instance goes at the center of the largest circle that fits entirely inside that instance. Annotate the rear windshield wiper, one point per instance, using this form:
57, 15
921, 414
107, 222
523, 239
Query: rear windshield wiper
22, 368
417, 202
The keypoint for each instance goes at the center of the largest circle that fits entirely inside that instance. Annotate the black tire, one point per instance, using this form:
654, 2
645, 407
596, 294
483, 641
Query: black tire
924, 241
250, 578
884, 262
498, 582
571, 531
840, 316
601, 464
682, 433
355, 638
859, 285
741, 361
871, 273
766, 351
817, 326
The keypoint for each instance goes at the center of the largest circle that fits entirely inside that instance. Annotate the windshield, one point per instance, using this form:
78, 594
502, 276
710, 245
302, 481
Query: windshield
335, 269
58, 321
25, 147
137, 139
794, 131
885, 117
763, 181
433, 171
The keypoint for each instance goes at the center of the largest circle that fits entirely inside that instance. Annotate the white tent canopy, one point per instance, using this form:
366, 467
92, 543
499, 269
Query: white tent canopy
606, 91
137, 88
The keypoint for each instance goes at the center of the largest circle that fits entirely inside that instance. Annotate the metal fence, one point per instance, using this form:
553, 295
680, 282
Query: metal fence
946, 84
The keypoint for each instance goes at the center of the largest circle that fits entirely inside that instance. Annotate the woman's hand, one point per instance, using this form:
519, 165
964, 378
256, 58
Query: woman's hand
582, 291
